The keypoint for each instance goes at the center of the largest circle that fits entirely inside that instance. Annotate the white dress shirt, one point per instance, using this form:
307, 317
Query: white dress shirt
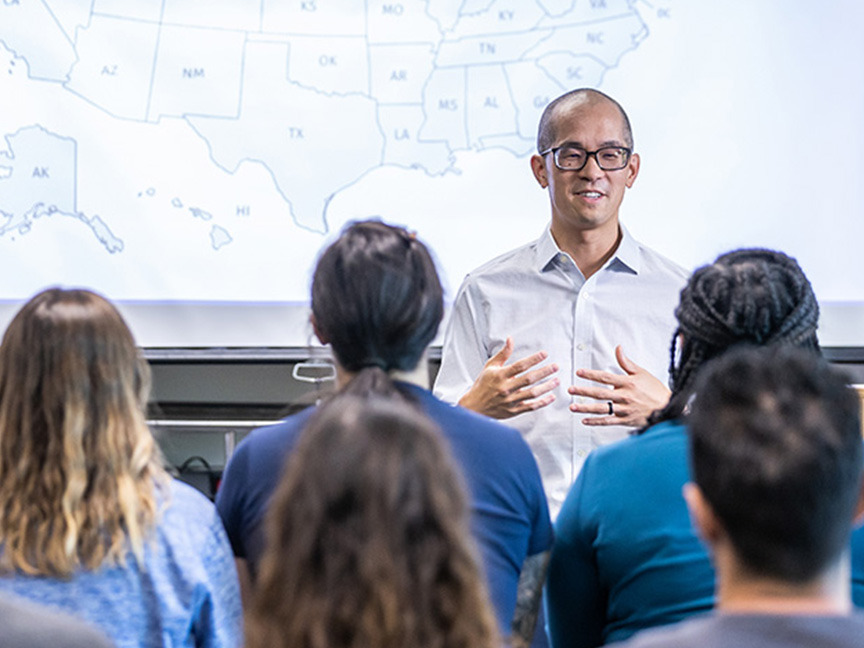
537, 295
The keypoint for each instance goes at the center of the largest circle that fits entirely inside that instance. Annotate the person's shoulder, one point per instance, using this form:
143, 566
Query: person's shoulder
517, 260
685, 634
661, 265
187, 511
188, 498
28, 626
637, 443
270, 443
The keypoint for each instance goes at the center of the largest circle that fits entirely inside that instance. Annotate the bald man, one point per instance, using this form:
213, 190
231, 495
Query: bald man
586, 308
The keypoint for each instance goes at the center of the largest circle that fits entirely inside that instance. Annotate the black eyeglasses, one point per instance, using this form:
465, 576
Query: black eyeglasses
573, 158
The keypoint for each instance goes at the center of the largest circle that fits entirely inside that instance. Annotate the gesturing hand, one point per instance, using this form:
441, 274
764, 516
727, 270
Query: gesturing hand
502, 390
634, 395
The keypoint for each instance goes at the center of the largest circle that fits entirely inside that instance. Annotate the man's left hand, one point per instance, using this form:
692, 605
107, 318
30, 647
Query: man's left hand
634, 394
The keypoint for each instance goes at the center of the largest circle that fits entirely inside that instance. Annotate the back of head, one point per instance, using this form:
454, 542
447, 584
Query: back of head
776, 450
376, 297
367, 538
77, 462
750, 296
546, 129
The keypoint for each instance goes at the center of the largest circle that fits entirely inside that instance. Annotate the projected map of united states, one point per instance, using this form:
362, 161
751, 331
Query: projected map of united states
306, 96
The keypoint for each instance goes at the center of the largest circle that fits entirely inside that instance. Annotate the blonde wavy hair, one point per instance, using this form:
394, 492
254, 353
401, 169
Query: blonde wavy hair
80, 472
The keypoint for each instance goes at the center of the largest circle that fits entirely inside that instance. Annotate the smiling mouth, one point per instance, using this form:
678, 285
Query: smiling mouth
589, 194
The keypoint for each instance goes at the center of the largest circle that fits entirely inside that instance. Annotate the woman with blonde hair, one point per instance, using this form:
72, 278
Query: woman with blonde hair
90, 522
367, 538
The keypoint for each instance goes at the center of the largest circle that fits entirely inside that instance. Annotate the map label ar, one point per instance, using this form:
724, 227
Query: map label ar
399, 75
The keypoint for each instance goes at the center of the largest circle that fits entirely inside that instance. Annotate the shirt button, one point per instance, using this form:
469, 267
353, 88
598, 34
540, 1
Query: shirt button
581, 452
585, 295
580, 346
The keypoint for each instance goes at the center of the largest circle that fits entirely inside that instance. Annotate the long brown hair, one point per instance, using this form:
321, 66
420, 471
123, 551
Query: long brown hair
367, 539
79, 468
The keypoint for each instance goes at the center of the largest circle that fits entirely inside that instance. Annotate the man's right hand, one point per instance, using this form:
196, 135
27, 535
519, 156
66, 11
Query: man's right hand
503, 390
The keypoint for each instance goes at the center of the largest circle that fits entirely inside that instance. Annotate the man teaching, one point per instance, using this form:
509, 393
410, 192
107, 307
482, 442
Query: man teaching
585, 295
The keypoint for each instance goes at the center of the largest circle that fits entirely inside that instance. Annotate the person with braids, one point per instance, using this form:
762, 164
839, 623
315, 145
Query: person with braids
625, 556
90, 522
377, 301
367, 538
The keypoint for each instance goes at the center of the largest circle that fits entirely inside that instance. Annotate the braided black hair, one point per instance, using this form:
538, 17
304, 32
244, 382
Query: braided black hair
750, 296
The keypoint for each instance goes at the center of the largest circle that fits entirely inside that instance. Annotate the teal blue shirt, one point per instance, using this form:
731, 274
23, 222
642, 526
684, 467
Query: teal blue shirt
625, 556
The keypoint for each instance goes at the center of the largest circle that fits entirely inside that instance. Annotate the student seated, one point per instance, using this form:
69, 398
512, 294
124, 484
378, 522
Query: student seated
625, 556
90, 523
367, 537
775, 443
377, 300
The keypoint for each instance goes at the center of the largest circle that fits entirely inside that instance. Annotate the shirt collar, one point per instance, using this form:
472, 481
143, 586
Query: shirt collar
627, 255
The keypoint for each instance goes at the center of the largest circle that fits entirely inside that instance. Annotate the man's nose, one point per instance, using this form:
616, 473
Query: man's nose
592, 168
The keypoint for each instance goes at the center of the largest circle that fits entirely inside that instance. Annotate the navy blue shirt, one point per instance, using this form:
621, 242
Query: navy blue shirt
509, 514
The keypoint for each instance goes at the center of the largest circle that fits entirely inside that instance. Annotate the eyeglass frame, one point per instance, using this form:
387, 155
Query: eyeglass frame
588, 155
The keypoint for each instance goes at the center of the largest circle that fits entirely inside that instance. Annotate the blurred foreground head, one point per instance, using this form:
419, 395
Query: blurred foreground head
368, 543
777, 453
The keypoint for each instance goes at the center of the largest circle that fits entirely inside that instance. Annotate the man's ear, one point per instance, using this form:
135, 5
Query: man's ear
538, 167
632, 169
701, 514
323, 339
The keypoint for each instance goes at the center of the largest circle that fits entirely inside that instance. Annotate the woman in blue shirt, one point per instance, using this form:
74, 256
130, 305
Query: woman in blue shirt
625, 556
